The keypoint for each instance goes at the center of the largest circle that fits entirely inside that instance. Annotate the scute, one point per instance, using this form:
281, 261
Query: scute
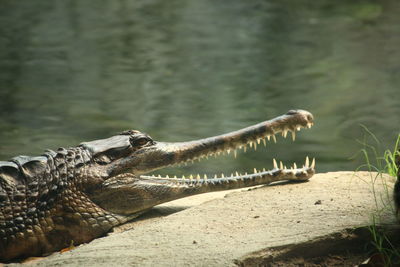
103, 145
9, 172
31, 167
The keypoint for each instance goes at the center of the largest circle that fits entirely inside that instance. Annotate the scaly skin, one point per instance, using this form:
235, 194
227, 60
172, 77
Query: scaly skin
80, 193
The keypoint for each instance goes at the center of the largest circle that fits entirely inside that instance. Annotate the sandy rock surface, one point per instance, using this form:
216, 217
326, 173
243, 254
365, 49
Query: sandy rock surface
226, 228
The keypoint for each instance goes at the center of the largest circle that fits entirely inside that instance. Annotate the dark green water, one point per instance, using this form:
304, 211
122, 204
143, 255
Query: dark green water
72, 71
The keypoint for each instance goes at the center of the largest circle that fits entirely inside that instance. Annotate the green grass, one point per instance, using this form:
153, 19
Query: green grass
384, 246
380, 162
375, 160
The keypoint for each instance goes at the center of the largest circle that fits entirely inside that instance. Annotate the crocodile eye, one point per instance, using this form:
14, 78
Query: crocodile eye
141, 141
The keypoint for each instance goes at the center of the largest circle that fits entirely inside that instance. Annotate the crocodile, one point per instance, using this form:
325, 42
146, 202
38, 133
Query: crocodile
80, 193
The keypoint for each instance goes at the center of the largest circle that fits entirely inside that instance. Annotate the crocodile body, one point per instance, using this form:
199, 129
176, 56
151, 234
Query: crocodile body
81, 193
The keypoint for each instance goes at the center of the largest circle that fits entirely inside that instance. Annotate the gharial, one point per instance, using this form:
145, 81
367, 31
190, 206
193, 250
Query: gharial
80, 193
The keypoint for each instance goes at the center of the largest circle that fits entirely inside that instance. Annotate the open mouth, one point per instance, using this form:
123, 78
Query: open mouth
249, 138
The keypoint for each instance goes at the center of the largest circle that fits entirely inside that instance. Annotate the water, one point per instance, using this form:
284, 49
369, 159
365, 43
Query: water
73, 71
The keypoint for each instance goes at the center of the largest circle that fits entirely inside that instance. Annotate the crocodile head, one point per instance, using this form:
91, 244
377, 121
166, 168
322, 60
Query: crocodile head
123, 164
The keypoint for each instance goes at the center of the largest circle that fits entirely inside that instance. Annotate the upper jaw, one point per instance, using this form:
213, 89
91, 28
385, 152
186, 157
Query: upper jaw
162, 154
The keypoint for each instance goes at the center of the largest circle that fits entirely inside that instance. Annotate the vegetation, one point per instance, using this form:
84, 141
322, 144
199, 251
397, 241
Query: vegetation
378, 161
375, 160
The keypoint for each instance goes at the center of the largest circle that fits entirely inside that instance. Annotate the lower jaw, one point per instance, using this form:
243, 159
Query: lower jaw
293, 172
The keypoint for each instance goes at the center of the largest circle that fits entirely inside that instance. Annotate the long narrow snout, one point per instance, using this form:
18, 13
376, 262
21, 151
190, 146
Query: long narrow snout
163, 154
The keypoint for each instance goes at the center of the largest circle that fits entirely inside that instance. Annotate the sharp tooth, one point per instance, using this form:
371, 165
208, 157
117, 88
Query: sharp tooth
309, 124
167, 176
175, 176
235, 153
198, 177
284, 133
236, 173
251, 144
219, 153
228, 151
222, 175
255, 170
280, 165
298, 128
215, 176
265, 142
268, 137
275, 164
258, 141
205, 177
159, 176
231, 174
294, 165
285, 167
191, 177
245, 173
293, 135
264, 170
274, 138
255, 146
313, 163
245, 148
307, 162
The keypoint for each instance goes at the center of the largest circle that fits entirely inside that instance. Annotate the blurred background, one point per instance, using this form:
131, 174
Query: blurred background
73, 71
